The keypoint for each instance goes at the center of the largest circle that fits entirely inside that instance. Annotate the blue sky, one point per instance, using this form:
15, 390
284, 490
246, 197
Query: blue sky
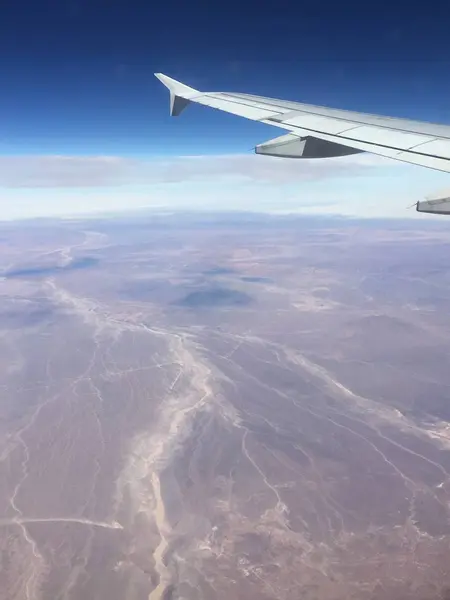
78, 83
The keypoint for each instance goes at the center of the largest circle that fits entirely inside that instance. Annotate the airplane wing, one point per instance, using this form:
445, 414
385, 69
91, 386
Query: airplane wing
319, 132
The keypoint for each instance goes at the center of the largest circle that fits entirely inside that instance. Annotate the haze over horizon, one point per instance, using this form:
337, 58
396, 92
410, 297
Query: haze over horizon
84, 125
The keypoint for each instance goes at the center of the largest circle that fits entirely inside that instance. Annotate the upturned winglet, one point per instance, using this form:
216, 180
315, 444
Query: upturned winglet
180, 94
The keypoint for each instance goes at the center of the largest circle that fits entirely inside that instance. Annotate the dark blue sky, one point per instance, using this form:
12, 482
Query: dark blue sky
77, 75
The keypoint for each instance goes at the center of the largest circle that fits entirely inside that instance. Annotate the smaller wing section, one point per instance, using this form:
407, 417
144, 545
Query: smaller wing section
293, 146
437, 204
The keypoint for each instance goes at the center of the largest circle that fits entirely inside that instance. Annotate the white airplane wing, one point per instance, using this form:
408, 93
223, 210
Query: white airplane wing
319, 132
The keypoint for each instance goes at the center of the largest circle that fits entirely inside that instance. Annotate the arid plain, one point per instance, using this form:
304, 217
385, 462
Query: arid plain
207, 407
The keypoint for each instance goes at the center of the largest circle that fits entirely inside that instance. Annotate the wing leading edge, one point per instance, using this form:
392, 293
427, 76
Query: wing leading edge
319, 132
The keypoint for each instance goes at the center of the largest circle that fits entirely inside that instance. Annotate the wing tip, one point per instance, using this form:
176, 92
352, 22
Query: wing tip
180, 94
178, 88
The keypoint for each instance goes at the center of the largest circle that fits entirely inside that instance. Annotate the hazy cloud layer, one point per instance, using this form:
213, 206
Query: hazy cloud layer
359, 185
62, 171
111, 171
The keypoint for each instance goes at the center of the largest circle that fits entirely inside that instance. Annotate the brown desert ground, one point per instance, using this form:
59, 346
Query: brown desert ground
206, 407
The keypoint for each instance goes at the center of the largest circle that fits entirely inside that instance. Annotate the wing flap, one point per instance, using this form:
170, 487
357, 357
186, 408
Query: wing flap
436, 148
385, 137
317, 123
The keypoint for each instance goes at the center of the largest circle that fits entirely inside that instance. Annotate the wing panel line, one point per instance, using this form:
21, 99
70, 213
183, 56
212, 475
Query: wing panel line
230, 98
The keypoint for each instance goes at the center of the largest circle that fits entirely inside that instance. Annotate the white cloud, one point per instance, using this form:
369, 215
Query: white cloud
62, 171
359, 185
114, 171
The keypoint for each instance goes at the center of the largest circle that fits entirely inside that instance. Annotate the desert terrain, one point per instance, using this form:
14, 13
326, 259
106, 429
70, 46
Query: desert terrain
205, 407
